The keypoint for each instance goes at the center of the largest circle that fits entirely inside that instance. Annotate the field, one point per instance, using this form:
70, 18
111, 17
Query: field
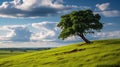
7, 53
101, 53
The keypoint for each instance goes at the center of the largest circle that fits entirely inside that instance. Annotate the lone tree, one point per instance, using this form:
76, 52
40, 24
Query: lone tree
79, 23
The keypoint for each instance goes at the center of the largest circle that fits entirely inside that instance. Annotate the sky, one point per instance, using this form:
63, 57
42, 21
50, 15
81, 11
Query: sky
32, 23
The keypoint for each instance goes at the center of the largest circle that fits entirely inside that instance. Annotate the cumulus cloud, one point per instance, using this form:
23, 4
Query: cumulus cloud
20, 34
34, 8
46, 31
42, 31
16, 33
103, 6
105, 12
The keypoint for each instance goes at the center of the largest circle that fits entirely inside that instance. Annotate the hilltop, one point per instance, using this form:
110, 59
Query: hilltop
101, 53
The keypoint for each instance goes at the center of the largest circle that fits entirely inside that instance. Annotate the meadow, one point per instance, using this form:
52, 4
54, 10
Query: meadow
101, 53
6, 52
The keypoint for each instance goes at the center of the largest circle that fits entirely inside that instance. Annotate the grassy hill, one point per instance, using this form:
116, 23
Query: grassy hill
102, 53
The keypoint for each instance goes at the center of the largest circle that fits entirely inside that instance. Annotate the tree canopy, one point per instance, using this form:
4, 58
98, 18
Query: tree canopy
79, 23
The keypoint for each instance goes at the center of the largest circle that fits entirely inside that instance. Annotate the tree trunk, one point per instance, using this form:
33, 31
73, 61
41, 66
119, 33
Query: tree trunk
83, 37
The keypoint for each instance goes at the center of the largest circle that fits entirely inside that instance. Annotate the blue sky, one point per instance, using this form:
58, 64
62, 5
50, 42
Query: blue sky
35, 20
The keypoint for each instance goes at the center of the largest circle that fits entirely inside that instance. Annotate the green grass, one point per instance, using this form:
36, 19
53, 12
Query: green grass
7, 53
102, 53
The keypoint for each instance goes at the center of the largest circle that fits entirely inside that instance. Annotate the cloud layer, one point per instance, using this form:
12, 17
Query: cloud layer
44, 31
34, 8
105, 35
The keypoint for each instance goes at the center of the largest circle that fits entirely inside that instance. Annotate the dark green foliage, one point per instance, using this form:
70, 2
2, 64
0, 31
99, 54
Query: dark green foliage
78, 23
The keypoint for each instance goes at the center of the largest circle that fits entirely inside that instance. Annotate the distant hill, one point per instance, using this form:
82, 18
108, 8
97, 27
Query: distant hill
101, 53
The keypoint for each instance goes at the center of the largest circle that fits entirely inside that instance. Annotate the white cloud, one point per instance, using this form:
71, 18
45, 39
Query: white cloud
109, 24
104, 35
105, 12
35, 8
112, 13
30, 44
43, 31
46, 31
103, 6
20, 34
16, 33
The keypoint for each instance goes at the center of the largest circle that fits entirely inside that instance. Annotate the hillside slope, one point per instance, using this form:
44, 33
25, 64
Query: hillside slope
102, 53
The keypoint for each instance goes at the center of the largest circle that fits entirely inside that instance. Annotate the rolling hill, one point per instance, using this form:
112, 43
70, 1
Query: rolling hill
101, 53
